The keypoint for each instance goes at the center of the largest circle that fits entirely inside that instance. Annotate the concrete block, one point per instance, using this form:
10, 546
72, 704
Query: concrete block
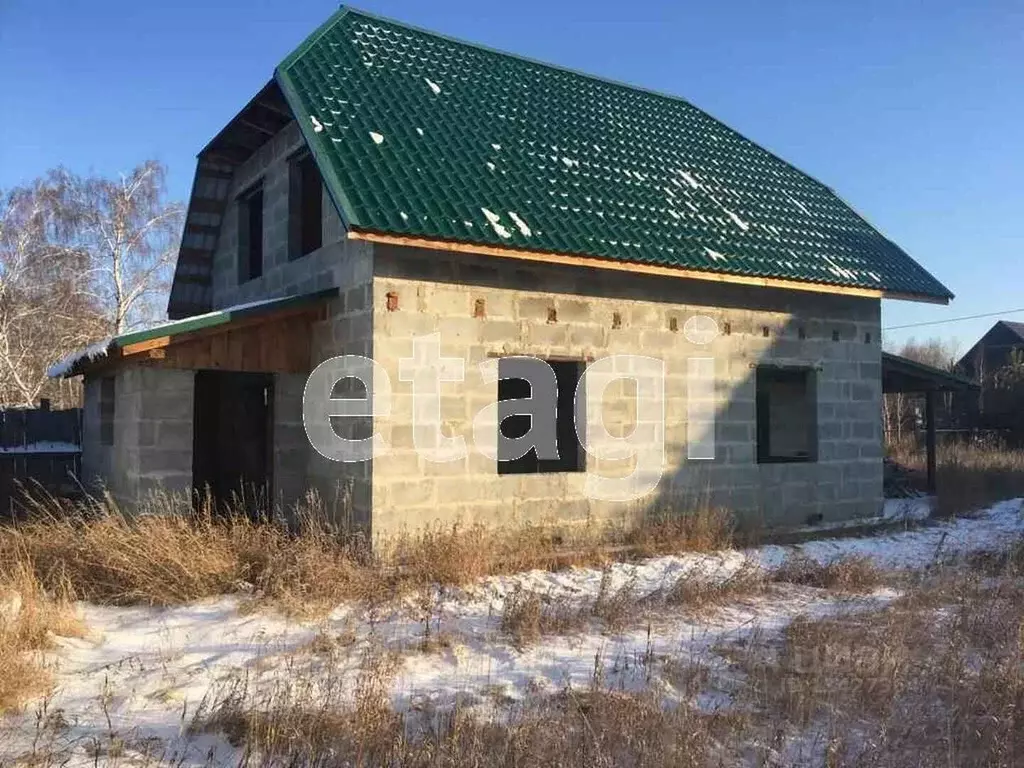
573, 310
534, 308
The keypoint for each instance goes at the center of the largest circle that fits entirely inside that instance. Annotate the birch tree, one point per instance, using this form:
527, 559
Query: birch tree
81, 258
44, 311
130, 232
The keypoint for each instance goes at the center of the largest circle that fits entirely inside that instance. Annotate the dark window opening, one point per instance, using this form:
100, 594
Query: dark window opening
571, 456
305, 207
250, 235
787, 423
107, 410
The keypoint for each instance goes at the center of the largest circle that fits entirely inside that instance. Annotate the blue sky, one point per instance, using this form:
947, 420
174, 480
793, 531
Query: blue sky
911, 111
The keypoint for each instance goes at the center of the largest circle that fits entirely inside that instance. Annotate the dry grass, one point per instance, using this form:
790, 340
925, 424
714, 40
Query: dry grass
935, 678
970, 477
697, 595
576, 728
166, 554
527, 616
30, 618
665, 532
848, 573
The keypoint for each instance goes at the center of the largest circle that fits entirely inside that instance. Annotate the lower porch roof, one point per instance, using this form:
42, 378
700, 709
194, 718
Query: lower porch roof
229, 338
901, 374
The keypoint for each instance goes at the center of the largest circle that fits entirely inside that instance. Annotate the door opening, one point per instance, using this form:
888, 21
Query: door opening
232, 442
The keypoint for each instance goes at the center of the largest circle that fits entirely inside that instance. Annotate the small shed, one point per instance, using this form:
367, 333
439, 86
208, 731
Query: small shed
901, 374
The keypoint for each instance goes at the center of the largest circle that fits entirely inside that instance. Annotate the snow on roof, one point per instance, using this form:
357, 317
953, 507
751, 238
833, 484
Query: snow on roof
41, 447
92, 352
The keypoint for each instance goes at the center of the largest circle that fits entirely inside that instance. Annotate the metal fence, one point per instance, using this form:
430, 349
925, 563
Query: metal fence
39, 448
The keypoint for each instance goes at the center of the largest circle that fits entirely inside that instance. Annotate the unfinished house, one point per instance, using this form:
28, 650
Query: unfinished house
390, 183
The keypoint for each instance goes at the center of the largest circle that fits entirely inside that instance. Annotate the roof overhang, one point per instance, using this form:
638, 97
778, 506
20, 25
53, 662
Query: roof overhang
260, 120
901, 374
270, 336
593, 262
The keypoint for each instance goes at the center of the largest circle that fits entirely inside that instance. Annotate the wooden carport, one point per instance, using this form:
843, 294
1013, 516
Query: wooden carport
901, 374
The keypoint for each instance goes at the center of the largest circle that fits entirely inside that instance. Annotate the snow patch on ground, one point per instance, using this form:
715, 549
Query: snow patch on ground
154, 666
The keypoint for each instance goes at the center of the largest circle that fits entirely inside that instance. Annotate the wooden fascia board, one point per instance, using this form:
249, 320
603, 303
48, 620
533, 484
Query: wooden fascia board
592, 262
160, 342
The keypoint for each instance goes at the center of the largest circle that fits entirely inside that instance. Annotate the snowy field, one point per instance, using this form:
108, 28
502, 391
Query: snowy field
143, 673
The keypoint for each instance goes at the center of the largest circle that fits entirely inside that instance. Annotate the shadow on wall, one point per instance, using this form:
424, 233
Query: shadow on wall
814, 358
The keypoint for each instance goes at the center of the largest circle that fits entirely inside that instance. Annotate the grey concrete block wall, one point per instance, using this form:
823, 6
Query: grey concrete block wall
344, 488
438, 292
97, 459
152, 446
313, 272
290, 446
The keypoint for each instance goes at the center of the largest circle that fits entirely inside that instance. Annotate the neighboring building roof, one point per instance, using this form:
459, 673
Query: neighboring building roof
422, 137
1017, 328
98, 353
901, 374
999, 340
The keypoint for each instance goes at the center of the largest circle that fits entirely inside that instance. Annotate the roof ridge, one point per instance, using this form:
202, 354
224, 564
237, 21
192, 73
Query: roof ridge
345, 10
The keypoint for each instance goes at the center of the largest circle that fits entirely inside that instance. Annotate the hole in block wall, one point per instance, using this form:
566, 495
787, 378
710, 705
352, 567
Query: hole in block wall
765, 331
867, 337
552, 315
392, 301
616, 320
479, 308
673, 324
835, 335
801, 332
727, 329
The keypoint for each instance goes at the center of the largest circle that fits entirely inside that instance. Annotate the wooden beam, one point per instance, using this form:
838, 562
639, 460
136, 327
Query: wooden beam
929, 422
592, 262
145, 346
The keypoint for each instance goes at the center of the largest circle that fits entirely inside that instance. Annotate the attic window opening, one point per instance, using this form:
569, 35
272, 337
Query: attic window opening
305, 206
571, 456
250, 234
107, 391
787, 424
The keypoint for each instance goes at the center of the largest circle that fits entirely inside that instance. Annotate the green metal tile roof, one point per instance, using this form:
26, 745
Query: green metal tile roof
421, 135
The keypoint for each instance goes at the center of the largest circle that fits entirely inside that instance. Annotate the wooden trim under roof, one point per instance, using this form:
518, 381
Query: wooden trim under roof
262, 338
633, 267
